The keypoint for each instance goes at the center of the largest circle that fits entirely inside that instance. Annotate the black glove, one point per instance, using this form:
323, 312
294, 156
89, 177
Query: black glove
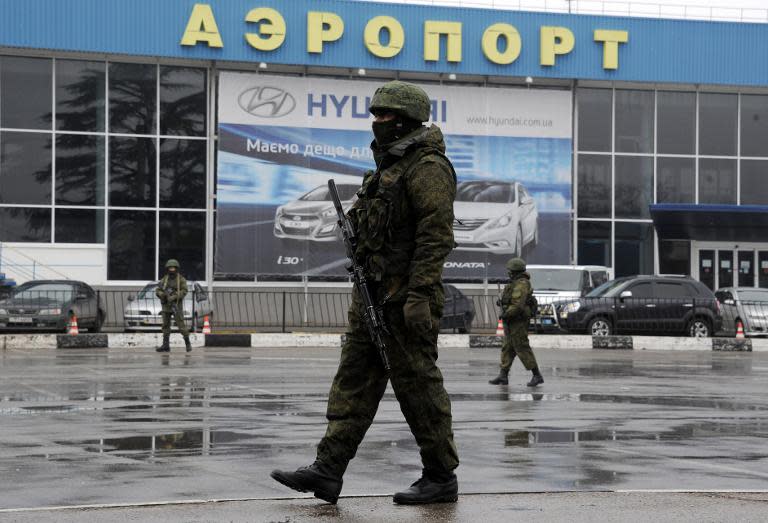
418, 315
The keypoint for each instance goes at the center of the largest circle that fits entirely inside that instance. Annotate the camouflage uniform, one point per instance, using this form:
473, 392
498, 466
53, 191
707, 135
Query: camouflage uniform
174, 306
516, 315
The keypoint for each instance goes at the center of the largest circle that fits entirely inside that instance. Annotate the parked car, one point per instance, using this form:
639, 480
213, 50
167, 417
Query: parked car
459, 310
313, 216
644, 304
494, 216
50, 305
143, 312
553, 283
746, 305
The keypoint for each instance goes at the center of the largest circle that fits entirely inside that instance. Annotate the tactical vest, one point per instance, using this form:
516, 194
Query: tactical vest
385, 224
522, 284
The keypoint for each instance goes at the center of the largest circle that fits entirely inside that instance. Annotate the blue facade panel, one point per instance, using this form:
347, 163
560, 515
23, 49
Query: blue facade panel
658, 50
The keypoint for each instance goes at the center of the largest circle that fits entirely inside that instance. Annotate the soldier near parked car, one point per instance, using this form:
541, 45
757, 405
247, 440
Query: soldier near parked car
517, 307
171, 290
404, 220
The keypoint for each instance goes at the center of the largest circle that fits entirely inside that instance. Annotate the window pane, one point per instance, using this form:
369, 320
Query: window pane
594, 243
717, 124
25, 225
79, 169
754, 182
675, 257
25, 168
754, 125
634, 121
595, 194
717, 181
25, 92
80, 101
132, 98
634, 186
182, 173
675, 180
132, 172
182, 236
131, 252
634, 249
182, 101
594, 119
676, 133
79, 226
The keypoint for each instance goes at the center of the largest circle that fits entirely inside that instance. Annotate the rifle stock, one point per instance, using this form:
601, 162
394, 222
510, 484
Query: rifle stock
372, 315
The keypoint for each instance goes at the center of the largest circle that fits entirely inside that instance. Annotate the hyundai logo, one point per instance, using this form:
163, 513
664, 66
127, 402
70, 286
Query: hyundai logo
297, 218
266, 102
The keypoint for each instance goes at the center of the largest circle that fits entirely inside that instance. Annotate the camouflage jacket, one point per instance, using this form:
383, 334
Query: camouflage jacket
404, 216
171, 291
514, 299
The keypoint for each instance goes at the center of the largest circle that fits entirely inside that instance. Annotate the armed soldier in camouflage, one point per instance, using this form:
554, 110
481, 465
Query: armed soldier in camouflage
171, 290
404, 220
517, 307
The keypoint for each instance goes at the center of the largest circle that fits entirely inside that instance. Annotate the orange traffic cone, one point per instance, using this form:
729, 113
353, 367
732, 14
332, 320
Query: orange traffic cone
73, 330
739, 329
500, 328
206, 326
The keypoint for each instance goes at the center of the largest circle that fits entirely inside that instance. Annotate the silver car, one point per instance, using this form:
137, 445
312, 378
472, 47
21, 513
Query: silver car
747, 305
313, 216
143, 312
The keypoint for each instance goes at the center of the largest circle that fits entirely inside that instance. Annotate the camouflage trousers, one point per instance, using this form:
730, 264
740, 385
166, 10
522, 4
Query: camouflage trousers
178, 315
416, 380
516, 344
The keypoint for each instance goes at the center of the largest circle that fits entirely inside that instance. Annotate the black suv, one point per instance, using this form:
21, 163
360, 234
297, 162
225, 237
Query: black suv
646, 305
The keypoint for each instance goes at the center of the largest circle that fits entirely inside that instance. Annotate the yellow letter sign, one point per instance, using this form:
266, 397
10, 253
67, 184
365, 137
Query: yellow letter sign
202, 28
373, 31
555, 41
322, 27
273, 25
491, 43
432, 32
611, 41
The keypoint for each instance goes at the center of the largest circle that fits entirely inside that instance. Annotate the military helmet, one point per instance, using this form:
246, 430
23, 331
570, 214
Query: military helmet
402, 98
171, 263
516, 265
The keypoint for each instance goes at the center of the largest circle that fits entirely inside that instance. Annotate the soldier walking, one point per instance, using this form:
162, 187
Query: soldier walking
171, 290
404, 222
517, 307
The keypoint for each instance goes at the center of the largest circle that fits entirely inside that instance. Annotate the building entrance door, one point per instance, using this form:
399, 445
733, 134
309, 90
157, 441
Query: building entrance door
721, 264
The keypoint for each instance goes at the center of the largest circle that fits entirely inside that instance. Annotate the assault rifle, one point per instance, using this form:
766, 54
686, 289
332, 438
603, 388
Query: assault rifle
372, 315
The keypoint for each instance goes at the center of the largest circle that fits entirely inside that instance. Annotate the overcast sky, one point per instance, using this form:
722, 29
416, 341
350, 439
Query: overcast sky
747, 10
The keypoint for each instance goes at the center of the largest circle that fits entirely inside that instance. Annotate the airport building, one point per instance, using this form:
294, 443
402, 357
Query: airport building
132, 131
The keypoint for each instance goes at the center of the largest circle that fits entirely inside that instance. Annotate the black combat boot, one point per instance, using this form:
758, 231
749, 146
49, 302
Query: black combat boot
501, 379
537, 378
315, 478
188, 344
427, 490
166, 346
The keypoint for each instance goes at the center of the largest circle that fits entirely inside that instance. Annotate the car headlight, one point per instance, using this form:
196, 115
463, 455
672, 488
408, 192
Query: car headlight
546, 309
279, 212
328, 212
572, 307
501, 222
50, 312
3, 311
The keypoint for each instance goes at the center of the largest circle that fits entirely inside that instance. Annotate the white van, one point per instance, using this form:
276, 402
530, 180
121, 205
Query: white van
553, 283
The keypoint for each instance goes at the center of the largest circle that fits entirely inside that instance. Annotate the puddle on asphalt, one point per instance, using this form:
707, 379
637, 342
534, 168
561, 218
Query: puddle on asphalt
174, 444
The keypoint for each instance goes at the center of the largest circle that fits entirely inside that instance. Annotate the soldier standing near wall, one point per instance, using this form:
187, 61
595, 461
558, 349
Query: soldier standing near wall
171, 290
517, 307
404, 223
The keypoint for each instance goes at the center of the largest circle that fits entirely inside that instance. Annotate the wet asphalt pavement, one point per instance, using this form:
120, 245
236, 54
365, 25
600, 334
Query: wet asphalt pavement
122, 426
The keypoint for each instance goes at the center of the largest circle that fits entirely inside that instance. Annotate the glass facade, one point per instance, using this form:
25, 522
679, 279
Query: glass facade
105, 153
667, 147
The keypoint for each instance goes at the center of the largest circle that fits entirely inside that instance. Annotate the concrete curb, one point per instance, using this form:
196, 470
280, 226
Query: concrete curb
445, 341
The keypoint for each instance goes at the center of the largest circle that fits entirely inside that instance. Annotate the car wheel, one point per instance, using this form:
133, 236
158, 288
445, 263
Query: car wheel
600, 327
699, 328
466, 324
99, 323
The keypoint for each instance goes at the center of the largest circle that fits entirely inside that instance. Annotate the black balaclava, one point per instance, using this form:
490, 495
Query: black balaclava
392, 130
